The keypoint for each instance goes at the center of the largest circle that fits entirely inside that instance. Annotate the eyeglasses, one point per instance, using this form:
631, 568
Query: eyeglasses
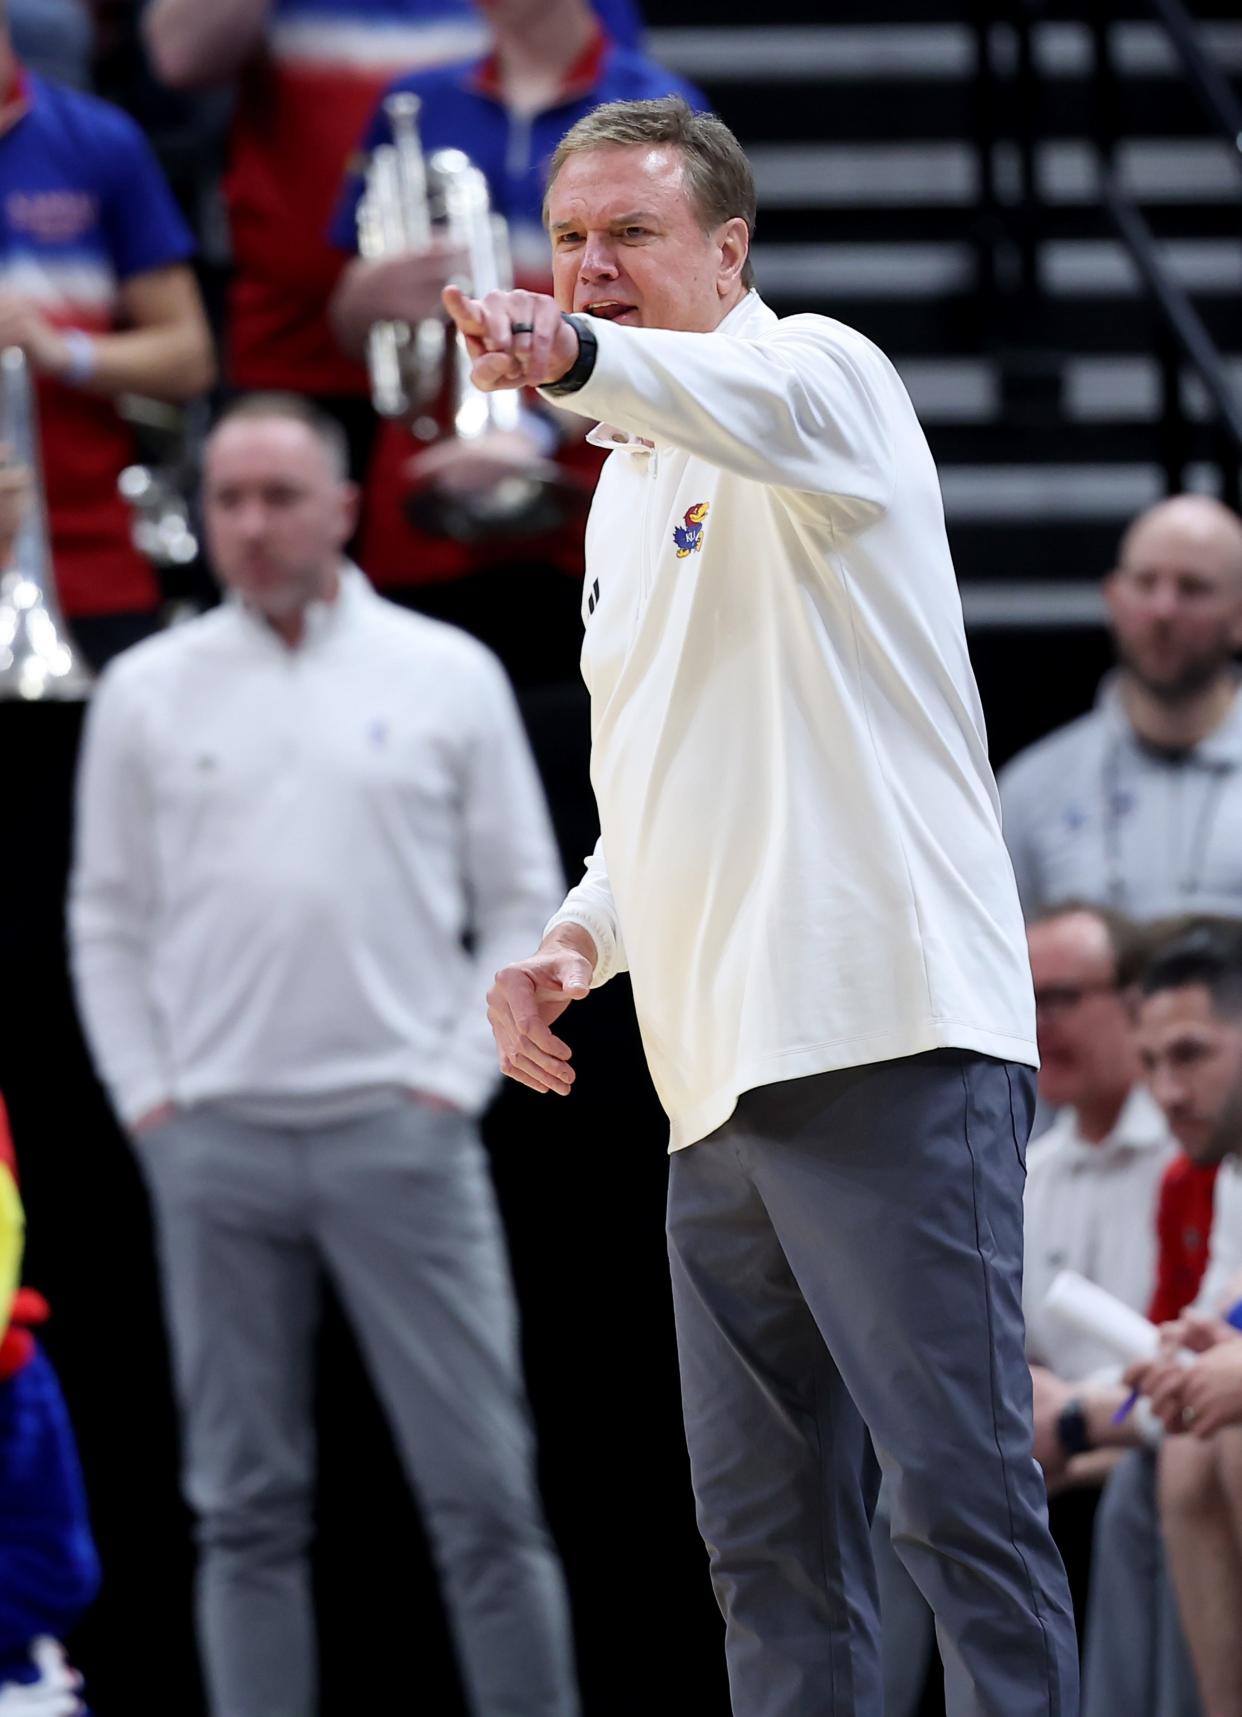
1054, 999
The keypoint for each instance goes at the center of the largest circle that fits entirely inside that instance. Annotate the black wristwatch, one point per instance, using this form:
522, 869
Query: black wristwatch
579, 372
1072, 1433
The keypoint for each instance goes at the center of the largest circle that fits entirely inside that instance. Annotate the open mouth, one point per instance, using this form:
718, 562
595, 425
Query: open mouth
609, 309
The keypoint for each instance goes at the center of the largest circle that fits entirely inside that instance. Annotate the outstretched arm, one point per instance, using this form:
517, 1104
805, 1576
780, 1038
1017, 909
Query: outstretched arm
804, 405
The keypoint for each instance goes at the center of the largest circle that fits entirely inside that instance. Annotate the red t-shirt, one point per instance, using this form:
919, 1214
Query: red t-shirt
1183, 1233
302, 107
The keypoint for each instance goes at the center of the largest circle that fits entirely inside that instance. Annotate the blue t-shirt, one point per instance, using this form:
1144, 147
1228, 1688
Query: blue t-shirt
84, 207
462, 109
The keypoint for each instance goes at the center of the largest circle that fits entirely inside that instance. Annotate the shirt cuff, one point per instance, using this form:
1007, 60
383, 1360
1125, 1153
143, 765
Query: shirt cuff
607, 963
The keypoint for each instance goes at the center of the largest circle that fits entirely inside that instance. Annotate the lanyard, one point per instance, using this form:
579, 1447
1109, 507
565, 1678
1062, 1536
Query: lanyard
1117, 803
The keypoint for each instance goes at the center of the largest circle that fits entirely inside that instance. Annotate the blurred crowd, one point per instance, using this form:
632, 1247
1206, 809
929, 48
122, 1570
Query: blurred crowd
222, 308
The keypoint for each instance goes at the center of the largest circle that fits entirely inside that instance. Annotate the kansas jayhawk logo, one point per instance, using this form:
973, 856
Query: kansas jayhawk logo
688, 536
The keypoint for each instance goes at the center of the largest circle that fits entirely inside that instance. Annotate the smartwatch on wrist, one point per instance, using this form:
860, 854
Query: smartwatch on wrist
1072, 1433
579, 372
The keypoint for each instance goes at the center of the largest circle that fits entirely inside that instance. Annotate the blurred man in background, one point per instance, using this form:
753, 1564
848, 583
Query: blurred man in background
95, 287
1138, 805
1191, 1032
308, 77
1093, 1178
1190, 1039
309, 830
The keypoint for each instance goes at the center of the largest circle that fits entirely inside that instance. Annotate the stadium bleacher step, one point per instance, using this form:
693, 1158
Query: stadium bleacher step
863, 133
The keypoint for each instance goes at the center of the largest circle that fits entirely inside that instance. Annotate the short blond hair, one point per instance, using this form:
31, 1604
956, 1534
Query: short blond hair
718, 175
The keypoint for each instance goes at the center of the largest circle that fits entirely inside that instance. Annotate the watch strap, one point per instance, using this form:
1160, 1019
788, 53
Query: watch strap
579, 372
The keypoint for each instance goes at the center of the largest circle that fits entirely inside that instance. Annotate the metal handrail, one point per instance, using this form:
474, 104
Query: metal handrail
1175, 303
1205, 77
1184, 328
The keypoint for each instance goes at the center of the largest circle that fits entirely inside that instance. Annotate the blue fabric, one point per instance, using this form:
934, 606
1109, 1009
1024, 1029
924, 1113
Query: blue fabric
79, 185
49, 1572
513, 153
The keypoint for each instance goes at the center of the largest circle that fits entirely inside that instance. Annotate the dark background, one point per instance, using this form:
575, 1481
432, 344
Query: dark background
582, 1183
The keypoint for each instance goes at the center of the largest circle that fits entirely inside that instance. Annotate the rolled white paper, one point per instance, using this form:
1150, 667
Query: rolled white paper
1092, 1311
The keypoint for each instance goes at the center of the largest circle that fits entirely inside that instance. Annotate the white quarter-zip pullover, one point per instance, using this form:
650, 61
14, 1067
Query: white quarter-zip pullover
281, 854
801, 860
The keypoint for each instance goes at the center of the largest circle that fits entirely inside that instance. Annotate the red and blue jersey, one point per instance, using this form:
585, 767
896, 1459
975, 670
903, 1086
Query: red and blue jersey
463, 108
302, 106
84, 207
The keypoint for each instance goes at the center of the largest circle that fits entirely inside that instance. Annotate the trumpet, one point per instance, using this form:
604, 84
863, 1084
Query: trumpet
38, 660
420, 372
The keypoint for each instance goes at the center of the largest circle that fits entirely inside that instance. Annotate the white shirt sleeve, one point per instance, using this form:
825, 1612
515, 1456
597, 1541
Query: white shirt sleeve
803, 407
112, 902
590, 904
512, 874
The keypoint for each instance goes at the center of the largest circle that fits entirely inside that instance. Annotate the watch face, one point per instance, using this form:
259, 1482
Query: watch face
1072, 1429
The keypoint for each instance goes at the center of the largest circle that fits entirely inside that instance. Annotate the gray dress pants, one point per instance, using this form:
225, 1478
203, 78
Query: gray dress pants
399, 1210
846, 1256
1136, 1662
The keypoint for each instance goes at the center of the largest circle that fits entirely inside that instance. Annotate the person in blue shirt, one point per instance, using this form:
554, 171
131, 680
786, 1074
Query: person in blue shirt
96, 288
551, 63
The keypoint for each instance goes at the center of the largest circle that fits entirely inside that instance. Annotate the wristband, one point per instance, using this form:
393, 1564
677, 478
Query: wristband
82, 357
579, 372
1072, 1431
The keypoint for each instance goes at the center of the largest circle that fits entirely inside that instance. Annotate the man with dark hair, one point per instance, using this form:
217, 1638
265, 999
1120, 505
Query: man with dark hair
802, 869
1189, 1029
1138, 804
309, 830
1191, 1032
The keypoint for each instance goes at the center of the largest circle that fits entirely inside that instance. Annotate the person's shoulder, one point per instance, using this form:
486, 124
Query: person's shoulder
435, 84
85, 117
1048, 758
161, 658
436, 642
839, 338
628, 75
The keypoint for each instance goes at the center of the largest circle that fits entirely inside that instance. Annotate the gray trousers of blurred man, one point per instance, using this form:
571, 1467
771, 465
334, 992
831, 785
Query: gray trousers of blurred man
1136, 1663
398, 1208
846, 1257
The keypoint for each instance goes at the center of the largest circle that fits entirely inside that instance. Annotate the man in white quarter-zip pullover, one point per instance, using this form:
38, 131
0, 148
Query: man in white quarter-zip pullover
801, 866
309, 829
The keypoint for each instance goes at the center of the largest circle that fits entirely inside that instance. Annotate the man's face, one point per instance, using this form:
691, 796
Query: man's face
1192, 1056
277, 515
627, 244
1176, 602
1085, 1033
